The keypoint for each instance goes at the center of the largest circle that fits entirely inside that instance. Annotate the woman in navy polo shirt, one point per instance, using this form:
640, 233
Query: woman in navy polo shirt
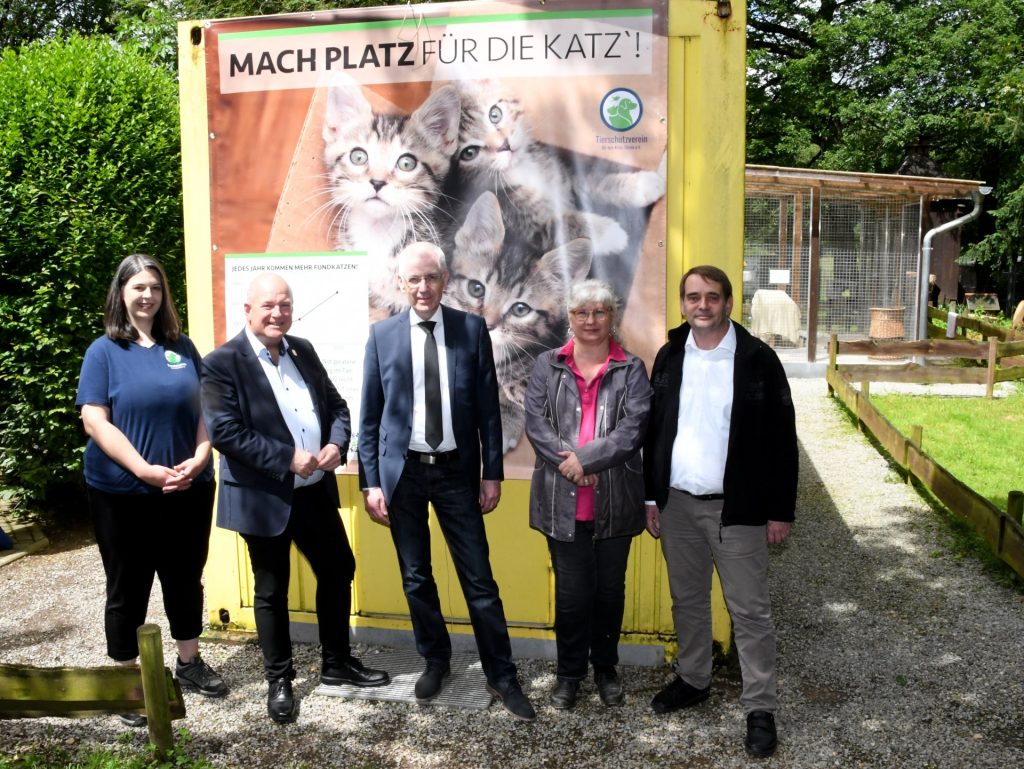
148, 469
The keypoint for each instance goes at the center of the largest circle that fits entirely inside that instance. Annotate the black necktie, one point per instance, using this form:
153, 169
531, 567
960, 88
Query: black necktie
432, 387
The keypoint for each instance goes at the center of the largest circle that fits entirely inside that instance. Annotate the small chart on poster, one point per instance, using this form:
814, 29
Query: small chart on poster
329, 297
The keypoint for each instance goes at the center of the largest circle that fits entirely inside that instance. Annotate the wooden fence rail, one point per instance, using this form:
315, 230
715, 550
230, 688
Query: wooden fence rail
996, 355
965, 323
1002, 531
149, 690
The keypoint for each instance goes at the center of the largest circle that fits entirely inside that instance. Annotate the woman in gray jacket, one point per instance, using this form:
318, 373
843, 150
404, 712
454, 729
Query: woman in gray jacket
586, 415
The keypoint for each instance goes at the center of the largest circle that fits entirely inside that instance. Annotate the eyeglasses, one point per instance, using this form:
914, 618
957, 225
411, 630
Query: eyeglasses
581, 316
432, 279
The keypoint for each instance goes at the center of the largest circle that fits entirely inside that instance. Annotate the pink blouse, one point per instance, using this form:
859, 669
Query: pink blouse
588, 415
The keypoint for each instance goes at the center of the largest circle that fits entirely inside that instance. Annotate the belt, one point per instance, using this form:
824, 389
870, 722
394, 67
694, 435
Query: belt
433, 458
702, 497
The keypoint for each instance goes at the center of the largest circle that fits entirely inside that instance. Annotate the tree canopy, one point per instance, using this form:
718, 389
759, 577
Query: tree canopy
857, 84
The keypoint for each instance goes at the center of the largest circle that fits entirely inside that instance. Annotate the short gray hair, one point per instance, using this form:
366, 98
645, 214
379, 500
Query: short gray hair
593, 291
417, 248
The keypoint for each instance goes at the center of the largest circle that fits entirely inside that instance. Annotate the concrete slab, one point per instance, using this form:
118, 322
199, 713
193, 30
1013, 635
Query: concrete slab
465, 688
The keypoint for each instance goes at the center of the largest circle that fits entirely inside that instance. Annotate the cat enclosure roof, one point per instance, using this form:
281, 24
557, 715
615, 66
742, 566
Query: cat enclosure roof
766, 180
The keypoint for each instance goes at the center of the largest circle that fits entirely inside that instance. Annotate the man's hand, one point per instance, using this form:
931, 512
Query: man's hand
778, 531
303, 464
376, 506
490, 493
329, 458
653, 521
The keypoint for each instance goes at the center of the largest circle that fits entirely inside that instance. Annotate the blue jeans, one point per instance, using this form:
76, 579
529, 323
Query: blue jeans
590, 597
458, 514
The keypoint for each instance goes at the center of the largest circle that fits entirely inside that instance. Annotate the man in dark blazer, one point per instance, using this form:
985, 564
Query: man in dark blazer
281, 429
429, 417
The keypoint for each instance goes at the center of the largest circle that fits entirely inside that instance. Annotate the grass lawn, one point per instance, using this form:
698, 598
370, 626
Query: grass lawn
980, 441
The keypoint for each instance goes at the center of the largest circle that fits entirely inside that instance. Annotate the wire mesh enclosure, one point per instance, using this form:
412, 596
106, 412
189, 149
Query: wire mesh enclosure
832, 252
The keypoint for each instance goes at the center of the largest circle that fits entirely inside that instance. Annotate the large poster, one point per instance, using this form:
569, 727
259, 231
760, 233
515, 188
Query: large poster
526, 140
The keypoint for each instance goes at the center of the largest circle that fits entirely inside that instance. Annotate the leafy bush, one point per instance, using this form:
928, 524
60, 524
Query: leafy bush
89, 172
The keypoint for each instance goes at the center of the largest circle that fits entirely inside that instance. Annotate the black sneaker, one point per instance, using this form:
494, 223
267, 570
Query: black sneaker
196, 676
678, 694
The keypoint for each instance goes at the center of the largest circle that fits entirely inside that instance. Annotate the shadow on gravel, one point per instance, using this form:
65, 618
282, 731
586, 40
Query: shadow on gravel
891, 648
20, 640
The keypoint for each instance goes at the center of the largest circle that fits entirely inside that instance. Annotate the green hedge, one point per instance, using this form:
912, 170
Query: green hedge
89, 172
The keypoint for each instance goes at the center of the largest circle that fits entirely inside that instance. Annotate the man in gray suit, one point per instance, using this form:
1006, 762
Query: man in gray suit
281, 429
429, 415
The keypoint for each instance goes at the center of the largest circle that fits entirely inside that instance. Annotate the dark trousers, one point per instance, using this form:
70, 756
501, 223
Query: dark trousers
145, 535
590, 597
317, 531
458, 513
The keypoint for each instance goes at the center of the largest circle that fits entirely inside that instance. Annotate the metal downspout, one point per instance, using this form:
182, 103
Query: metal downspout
926, 258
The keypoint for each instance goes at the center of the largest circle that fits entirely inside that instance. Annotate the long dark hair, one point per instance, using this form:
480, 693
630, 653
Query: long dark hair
117, 324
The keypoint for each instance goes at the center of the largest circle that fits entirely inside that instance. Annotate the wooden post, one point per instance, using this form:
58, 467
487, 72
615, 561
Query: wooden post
990, 380
1015, 506
916, 437
833, 354
865, 390
814, 276
154, 689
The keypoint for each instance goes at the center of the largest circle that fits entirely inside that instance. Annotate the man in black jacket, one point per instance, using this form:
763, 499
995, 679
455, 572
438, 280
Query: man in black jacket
720, 466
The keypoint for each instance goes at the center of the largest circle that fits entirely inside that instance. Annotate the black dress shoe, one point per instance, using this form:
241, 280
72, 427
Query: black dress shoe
281, 701
762, 740
429, 684
511, 697
609, 687
563, 696
678, 694
353, 673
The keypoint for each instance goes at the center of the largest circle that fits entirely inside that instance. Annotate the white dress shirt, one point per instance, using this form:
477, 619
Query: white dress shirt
293, 399
705, 411
417, 338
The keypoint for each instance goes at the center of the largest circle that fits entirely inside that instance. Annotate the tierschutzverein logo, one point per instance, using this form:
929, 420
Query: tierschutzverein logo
621, 109
173, 359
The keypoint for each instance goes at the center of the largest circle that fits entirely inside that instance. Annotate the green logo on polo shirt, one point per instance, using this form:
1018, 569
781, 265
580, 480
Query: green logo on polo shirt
174, 360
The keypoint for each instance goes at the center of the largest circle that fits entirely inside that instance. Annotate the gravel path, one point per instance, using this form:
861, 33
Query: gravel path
893, 652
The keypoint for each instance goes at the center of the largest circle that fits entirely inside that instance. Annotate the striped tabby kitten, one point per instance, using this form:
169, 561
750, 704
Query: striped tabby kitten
545, 194
519, 292
386, 174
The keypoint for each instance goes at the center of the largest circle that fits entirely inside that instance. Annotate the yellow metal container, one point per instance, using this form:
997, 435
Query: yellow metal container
704, 204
